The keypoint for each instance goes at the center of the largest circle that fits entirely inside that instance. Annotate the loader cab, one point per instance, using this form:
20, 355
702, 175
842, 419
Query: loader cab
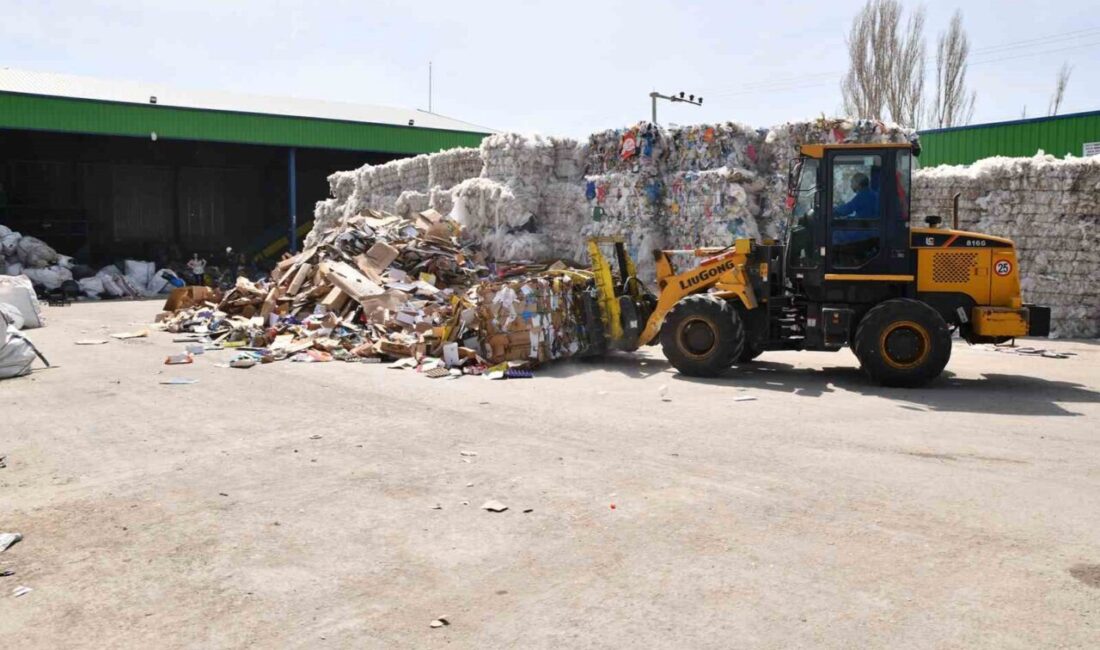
850, 217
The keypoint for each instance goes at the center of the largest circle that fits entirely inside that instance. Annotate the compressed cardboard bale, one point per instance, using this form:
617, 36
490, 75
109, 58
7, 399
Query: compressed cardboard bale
528, 319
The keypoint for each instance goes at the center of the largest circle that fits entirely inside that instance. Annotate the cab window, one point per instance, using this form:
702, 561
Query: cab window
855, 232
802, 250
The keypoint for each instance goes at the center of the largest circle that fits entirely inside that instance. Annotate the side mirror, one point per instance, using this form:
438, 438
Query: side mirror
794, 176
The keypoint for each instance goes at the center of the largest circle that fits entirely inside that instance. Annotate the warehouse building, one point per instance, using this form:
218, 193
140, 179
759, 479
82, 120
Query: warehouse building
1075, 134
105, 169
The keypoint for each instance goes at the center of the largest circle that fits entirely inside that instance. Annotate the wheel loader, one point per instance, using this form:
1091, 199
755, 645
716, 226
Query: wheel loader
854, 271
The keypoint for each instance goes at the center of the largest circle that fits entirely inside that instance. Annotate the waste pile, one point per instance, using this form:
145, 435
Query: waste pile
379, 286
530, 196
1050, 208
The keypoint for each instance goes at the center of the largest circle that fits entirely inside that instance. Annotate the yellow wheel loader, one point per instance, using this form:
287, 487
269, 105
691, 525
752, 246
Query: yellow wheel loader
853, 272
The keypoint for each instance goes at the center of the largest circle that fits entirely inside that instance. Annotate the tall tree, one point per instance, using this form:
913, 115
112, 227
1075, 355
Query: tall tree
885, 78
953, 104
1060, 89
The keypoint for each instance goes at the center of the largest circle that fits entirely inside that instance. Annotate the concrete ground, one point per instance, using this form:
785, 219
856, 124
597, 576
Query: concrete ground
331, 505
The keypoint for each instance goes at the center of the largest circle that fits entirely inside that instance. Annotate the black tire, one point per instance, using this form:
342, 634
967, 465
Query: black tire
903, 342
748, 353
702, 335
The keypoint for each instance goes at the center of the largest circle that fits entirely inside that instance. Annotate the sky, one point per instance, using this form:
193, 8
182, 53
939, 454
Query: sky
557, 68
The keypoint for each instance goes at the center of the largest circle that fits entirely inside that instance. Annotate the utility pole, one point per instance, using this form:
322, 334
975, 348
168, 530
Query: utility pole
690, 99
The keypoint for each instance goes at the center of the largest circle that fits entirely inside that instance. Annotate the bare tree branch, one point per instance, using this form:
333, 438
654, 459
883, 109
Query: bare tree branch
1060, 89
885, 76
953, 105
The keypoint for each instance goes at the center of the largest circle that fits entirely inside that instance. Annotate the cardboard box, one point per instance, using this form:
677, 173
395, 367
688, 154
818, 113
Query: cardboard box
187, 297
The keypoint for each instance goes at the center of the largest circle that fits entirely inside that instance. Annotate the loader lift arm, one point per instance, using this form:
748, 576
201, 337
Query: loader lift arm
723, 269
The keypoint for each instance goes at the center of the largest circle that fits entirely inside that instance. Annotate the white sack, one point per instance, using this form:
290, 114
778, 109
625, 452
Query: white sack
12, 315
16, 353
35, 253
17, 291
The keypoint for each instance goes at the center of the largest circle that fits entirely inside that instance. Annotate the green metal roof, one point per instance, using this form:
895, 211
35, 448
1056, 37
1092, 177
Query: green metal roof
35, 112
1059, 135
47, 101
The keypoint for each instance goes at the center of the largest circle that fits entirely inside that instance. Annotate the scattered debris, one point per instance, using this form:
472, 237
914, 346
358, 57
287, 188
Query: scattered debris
6, 573
662, 392
528, 510
7, 540
178, 381
315, 436
179, 359
494, 506
130, 335
21, 591
91, 342
1034, 352
745, 398
3, 461
467, 453
242, 360
440, 622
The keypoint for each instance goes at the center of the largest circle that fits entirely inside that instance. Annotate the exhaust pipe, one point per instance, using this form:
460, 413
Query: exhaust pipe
955, 211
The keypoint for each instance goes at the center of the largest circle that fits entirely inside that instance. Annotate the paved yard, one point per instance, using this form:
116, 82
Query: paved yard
827, 512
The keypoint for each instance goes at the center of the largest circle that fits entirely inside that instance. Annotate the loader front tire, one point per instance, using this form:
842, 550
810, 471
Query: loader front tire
903, 343
749, 353
702, 335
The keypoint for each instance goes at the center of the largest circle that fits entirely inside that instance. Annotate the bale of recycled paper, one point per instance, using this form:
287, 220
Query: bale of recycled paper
529, 319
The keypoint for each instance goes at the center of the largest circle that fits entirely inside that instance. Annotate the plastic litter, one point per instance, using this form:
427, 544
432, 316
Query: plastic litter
7, 540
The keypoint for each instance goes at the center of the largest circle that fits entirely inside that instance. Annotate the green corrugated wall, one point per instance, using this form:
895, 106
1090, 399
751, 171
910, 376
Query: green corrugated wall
1061, 135
43, 113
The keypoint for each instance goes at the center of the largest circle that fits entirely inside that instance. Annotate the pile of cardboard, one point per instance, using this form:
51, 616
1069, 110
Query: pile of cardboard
378, 286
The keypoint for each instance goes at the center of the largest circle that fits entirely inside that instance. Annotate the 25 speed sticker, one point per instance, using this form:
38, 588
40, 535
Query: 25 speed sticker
1002, 267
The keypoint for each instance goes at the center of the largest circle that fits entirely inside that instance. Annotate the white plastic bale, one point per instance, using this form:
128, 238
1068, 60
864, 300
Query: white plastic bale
503, 245
412, 174
410, 202
341, 185
449, 168
440, 200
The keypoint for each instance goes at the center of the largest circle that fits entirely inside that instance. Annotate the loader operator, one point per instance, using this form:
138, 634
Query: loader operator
864, 205
855, 237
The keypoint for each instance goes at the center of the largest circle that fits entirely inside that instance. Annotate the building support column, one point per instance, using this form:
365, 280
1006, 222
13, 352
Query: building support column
292, 194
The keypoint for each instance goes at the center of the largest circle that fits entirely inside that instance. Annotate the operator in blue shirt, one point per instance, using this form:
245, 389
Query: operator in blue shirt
864, 205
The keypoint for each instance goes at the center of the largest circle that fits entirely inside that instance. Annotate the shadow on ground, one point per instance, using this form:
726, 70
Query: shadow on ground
1002, 394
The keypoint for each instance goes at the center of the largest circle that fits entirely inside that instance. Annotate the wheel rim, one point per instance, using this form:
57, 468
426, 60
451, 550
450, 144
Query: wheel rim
905, 345
697, 337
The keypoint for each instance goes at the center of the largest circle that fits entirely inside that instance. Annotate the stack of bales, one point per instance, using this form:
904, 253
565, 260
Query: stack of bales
1050, 208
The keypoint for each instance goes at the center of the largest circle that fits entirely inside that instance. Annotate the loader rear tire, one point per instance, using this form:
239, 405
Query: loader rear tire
903, 343
702, 335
